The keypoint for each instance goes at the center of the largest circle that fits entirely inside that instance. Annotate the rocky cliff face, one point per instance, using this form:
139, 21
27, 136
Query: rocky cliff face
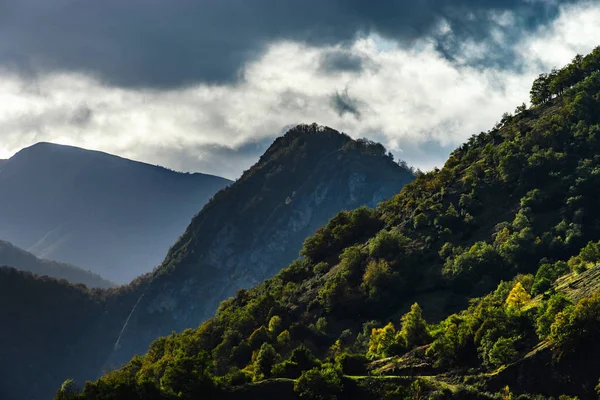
257, 226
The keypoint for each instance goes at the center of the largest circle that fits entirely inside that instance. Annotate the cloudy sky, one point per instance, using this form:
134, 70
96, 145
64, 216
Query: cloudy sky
206, 85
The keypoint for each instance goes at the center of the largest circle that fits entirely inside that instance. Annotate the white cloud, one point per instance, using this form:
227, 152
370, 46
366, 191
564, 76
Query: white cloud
416, 102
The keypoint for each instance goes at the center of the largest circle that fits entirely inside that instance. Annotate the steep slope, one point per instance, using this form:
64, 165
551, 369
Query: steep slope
12, 256
249, 230
515, 201
113, 216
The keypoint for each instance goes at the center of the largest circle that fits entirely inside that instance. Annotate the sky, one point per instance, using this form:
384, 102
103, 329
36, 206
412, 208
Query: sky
207, 85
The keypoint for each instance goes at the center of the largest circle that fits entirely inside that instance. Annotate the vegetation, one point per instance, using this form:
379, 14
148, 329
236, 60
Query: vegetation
478, 243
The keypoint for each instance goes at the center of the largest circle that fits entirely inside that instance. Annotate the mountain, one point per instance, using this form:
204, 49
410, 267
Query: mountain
12, 256
107, 214
248, 231
477, 281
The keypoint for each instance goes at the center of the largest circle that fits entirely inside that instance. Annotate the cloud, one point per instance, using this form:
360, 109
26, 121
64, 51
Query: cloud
341, 61
416, 100
160, 44
342, 103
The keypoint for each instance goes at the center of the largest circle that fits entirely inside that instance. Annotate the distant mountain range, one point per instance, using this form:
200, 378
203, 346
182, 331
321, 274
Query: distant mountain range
107, 214
12, 256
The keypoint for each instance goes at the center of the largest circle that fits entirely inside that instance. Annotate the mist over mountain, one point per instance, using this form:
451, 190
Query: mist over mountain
111, 215
22, 260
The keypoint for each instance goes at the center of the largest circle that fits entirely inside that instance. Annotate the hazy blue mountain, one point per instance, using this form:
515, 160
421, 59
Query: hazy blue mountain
12, 256
111, 215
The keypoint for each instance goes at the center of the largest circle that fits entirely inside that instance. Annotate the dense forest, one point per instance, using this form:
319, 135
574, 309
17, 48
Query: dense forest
478, 280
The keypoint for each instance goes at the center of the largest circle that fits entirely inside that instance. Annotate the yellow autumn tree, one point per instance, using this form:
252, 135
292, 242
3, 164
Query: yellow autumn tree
517, 297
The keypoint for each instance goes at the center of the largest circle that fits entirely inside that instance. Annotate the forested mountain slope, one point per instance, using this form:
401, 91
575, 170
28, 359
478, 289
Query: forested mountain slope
245, 234
512, 210
257, 225
113, 216
12, 256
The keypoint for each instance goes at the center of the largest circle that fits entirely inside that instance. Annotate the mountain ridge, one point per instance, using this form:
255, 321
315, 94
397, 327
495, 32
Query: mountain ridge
61, 201
12, 256
303, 179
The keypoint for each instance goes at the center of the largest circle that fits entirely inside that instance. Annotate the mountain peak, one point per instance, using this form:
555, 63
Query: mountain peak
313, 141
44, 147
258, 224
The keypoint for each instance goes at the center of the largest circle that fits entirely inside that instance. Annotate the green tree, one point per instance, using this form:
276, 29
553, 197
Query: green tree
540, 90
275, 324
503, 351
320, 383
265, 360
548, 312
382, 342
576, 329
414, 328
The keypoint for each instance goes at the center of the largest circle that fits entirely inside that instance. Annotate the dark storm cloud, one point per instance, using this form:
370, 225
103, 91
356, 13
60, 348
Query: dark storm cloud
338, 60
82, 115
165, 43
342, 104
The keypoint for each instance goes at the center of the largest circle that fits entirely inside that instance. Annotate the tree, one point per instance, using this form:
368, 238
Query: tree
266, 358
382, 341
517, 297
503, 351
414, 328
275, 324
66, 391
548, 312
320, 383
188, 377
547, 274
540, 90
577, 328
304, 358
